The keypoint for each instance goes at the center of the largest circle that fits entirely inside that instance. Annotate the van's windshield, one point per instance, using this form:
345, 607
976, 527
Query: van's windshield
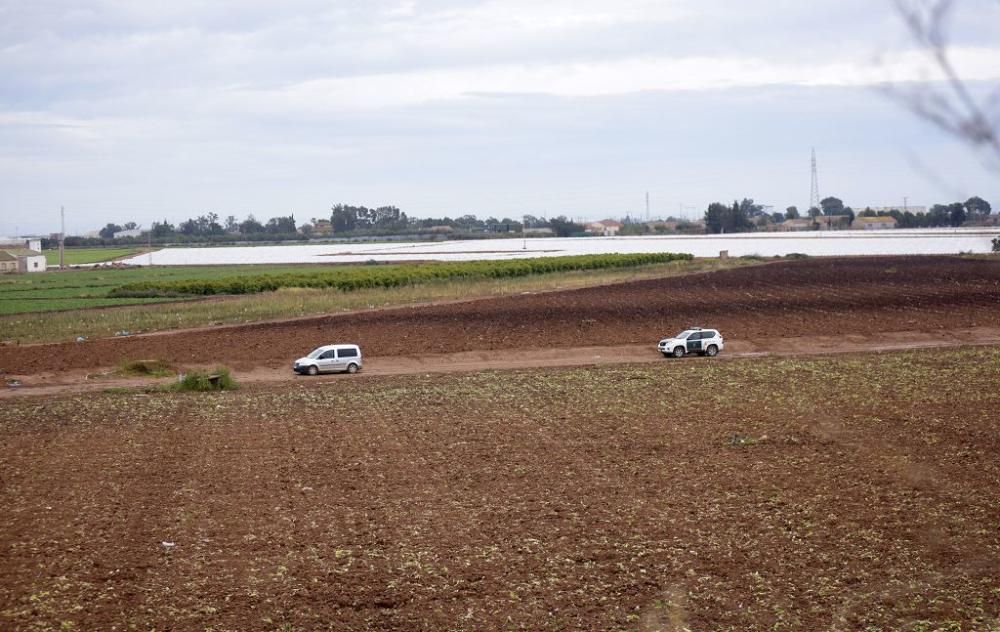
315, 353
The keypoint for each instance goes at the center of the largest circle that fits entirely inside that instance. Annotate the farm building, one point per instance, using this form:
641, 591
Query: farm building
795, 224
874, 223
605, 228
24, 254
8, 263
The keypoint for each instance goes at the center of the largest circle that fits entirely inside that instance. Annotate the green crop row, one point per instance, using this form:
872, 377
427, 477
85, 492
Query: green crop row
386, 276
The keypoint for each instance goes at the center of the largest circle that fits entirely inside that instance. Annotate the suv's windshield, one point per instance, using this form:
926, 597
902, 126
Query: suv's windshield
683, 335
315, 353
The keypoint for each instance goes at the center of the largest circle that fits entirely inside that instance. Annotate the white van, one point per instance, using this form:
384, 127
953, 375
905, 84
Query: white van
328, 359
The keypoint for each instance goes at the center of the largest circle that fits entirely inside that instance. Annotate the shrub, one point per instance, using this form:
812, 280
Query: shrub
354, 278
219, 379
151, 368
996, 244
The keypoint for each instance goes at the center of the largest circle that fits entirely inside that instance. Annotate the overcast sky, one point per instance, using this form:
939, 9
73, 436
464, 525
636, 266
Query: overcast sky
139, 110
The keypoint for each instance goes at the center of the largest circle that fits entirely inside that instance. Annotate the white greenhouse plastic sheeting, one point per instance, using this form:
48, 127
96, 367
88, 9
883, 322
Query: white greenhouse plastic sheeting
887, 242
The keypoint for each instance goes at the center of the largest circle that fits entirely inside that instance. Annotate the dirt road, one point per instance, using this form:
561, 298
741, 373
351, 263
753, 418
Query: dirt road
510, 359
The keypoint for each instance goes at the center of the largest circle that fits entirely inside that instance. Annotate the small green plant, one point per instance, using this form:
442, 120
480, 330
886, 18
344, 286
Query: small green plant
218, 379
996, 244
147, 368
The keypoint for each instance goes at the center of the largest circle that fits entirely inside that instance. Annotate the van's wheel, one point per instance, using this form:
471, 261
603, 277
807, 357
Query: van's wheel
712, 351
313, 370
678, 352
352, 368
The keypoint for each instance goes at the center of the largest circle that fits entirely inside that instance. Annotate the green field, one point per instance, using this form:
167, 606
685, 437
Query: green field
77, 256
72, 289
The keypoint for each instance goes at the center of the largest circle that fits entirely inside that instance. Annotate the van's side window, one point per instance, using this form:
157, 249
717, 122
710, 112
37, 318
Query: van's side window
348, 353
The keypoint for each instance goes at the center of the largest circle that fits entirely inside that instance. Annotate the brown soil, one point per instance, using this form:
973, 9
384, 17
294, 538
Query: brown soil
848, 493
816, 297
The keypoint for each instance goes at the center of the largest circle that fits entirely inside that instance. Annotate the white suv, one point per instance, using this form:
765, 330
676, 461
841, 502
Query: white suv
694, 340
330, 358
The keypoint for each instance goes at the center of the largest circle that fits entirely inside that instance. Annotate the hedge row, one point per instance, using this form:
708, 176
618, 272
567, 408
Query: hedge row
386, 276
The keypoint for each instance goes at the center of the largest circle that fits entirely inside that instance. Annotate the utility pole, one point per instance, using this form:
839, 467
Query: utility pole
814, 191
906, 204
62, 238
647, 206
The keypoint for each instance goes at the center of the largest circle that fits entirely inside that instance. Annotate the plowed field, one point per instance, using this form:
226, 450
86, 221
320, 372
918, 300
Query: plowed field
849, 493
796, 298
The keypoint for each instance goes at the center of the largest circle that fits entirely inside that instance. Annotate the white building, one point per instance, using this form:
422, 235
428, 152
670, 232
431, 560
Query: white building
26, 252
135, 232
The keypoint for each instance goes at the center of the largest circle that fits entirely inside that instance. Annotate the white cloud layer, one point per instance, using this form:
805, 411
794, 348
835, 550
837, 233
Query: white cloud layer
168, 107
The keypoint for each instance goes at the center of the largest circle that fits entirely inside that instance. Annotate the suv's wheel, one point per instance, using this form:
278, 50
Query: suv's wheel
712, 351
313, 370
352, 368
678, 352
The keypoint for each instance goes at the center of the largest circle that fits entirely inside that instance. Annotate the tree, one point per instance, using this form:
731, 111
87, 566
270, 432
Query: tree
564, 227
977, 206
832, 206
748, 208
281, 225
814, 212
232, 226
957, 214
250, 226
162, 229
129, 226
720, 218
792, 212
108, 232
777, 217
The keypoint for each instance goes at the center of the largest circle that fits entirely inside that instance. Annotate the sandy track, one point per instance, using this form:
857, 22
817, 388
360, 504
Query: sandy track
512, 359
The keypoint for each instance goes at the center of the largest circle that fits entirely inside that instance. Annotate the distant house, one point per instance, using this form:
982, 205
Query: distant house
874, 223
832, 222
8, 263
322, 227
26, 260
538, 231
605, 227
796, 224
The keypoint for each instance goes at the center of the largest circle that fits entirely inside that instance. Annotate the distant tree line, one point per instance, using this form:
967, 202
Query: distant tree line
359, 221
746, 216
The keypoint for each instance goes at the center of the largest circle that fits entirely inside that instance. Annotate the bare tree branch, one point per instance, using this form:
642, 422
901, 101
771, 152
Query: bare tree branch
949, 104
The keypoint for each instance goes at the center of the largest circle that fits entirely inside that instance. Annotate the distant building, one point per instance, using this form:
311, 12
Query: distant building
538, 231
832, 222
134, 232
884, 222
322, 227
605, 227
8, 263
796, 224
25, 257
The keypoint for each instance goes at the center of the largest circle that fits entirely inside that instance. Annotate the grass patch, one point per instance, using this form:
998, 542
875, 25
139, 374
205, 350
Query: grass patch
78, 256
218, 379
